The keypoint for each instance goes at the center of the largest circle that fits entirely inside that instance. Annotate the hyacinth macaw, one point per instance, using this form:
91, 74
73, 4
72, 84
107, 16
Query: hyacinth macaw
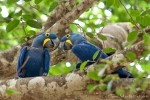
35, 60
85, 51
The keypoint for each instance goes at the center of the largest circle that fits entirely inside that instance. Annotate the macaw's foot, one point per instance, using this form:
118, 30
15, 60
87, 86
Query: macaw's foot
17, 77
44, 74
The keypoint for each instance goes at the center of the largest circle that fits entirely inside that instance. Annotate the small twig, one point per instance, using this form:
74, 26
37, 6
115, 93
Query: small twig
129, 14
23, 27
24, 9
81, 29
37, 9
23, 64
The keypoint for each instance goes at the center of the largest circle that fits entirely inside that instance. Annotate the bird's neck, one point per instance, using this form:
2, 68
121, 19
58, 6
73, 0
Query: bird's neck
37, 45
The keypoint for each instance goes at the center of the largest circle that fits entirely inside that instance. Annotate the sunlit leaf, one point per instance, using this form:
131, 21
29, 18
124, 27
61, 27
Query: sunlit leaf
102, 87
145, 12
95, 55
119, 91
27, 0
101, 72
134, 13
131, 55
12, 1
53, 6
146, 38
27, 17
91, 87
37, 1
109, 50
34, 24
19, 13
93, 75
110, 2
11, 92
102, 37
12, 25
83, 65
109, 85
132, 36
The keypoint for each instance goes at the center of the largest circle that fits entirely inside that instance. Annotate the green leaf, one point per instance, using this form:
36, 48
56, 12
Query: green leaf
110, 2
83, 65
146, 38
53, 6
91, 87
10, 92
102, 37
27, 0
19, 13
134, 13
119, 91
109, 50
91, 35
101, 72
145, 67
12, 25
37, 1
95, 55
93, 75
132, 36
27, 17
34, 24
116, 3
109, 85
131, 55
102, 87
144, 85
145, 12
12, 1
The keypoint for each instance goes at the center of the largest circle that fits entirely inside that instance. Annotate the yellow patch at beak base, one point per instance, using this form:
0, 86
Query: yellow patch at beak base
68, 41
45, 41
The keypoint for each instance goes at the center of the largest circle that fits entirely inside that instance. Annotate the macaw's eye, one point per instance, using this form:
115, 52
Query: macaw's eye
68, 35
47, 34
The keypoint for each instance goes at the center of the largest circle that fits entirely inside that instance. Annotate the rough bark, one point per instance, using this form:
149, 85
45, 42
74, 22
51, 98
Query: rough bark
67, 87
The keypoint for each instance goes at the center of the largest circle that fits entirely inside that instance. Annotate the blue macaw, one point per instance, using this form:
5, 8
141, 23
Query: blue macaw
85, 51
35, 60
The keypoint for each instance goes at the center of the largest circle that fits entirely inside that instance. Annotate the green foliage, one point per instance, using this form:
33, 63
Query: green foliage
93, 75
131, 55
37, 1
109, 50
95, 55
11, 25
12, 92
12, 1
132, 36
53, 6
91, 87
120, 91
109, 85
61, 68
102, 37
83, 65
34, 24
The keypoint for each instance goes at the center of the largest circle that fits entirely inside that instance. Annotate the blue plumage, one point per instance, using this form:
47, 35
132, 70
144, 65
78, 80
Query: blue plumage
35, 60
85, 51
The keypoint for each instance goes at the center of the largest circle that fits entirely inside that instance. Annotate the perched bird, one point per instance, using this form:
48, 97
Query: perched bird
85, 51
35, 60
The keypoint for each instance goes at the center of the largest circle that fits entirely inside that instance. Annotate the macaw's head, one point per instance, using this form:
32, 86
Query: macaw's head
46, 40
69, 40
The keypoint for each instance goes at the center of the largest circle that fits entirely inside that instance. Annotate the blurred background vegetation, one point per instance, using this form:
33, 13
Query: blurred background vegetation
25, 13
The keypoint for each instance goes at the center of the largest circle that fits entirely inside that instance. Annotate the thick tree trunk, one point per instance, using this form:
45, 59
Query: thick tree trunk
67, 87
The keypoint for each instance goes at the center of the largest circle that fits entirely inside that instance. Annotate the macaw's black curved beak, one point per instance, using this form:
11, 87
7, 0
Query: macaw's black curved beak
52, 44
64, 46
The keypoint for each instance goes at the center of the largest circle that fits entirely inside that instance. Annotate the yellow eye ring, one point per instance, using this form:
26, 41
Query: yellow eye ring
68, 35
47, 34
